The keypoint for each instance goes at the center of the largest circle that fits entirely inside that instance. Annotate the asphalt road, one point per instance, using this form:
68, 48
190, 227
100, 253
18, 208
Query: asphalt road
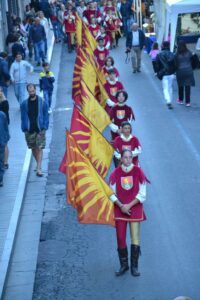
78, 261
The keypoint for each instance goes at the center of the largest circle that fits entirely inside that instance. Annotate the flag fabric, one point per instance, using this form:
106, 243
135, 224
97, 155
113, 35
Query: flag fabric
88, 41
83, 69
86, 189
91, 108
92, 142
78, 31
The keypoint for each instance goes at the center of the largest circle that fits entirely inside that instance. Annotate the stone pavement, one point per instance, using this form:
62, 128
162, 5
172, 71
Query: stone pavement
11, 194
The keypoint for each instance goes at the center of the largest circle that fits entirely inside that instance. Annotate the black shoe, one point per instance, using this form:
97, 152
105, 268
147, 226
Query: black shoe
135, 252
169, 105
123, 258
6, 166
138, 70
1, 183
134, 71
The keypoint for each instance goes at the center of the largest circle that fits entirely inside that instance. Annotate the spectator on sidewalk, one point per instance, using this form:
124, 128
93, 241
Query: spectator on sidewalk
19, 73
44, 22
4, 138
4, 107
18, 48
46, 84
4, 73
37, 37
184, 73
166, 67
153, 54
55, 21
135, 42
34, 123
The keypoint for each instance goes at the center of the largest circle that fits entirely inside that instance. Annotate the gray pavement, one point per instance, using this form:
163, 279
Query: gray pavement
78, 261
12, 193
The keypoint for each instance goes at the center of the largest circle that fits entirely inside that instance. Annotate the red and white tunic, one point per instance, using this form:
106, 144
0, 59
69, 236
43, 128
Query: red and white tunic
112, 87
131, 143
101, 54
110, 23
94, 29
69, 21
106, 40
106, 69
129, 183
88, 14
119, 114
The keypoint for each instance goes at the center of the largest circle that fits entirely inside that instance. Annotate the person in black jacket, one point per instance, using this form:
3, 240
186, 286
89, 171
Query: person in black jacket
135, 42
166, 67
126, 13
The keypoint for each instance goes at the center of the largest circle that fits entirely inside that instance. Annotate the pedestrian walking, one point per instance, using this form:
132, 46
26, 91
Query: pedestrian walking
4, 73
184, 73
37, 37
153, 54
4, 107
135, 42
18, 48
4, 138
127, 14
121, 112
166, 67
34, 123
129, 184
44, 22
19, 71
46, 84
126, 141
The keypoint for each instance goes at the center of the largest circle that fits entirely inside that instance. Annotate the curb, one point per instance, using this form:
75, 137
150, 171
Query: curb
15, 217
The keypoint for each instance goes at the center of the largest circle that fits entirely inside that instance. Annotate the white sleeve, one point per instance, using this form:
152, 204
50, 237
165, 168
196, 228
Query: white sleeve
113, 127
12, 72
117, 154
137, 151
108, 45
110, 102
99, 19
141, 196
85, 20
113, 197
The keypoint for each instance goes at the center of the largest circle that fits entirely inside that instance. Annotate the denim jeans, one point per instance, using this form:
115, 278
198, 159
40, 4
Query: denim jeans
39, 51
56, 29
20, 91
48, 97
2, 151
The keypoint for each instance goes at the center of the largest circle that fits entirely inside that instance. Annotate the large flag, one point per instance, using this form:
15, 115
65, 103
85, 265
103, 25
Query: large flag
91, 108
86, 189
88, 41
92, 142
83, 68
78, 30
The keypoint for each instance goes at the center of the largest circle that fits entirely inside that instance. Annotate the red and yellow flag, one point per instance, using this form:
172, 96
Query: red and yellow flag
91, 108
83, 69
88, 41
79, 24
86, 190
92, 142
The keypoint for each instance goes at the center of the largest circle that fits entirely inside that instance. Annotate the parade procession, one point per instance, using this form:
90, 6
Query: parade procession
99, 149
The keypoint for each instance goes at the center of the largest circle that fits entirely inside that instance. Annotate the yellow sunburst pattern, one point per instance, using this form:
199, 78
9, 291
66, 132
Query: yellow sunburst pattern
87, 190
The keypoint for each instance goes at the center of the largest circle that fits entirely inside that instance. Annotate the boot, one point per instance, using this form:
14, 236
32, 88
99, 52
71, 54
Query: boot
135, 252
123, 258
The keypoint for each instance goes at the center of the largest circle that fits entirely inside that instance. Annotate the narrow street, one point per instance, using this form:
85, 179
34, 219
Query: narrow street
78, 261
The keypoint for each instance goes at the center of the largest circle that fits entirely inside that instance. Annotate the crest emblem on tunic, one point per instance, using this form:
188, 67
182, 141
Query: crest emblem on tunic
120, 114
126, 147
127, 182
113, 91
102, 56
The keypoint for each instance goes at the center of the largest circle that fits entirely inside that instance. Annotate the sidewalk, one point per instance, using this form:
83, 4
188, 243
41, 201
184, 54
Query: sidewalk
15, 177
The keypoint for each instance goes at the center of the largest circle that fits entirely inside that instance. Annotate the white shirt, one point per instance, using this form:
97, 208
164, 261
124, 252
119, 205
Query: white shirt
19, 71
135, 40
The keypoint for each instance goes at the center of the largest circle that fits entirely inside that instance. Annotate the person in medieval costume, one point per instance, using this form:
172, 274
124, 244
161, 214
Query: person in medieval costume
129, 184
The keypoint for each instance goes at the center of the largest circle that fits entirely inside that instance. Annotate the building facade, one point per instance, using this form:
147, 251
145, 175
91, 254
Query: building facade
7, 9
